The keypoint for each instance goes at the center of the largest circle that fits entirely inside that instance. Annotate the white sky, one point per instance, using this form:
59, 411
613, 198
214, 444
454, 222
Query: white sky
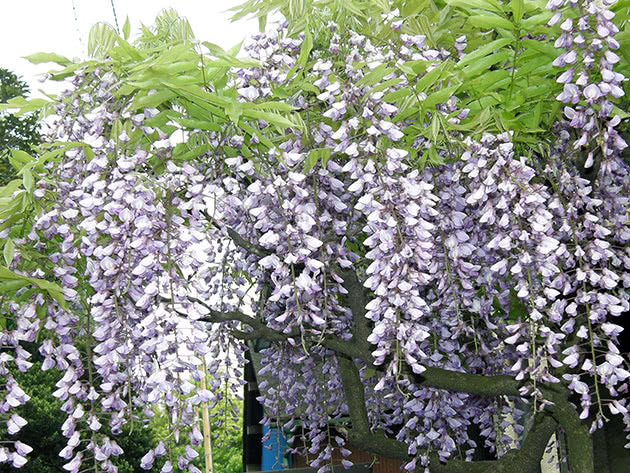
30, 26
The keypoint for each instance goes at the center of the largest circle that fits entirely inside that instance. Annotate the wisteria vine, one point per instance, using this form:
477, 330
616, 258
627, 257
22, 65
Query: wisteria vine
367, 274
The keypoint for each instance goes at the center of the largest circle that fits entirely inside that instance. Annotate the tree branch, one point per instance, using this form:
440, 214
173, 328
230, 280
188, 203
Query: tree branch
481, 385
438, 378
579, 442
357, 300
432, 377
524, 460
360, 434
259, 328
257, 250
252, 248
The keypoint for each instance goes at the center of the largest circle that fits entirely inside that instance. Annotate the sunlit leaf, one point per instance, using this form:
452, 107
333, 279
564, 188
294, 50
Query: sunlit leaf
9, 251
39, 58
126, 28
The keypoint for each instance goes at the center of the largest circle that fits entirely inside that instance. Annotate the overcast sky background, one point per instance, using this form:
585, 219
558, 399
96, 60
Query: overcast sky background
30, 26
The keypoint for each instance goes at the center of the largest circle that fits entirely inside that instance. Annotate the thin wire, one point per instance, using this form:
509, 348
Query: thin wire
115, 17
76, 24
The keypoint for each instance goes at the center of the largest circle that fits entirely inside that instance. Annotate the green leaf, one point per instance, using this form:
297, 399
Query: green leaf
384, 85
39, 58
484, 103
517, 7
435, 127
518, 310
540, 64
155, 99
439, 97
180, 154
64, 73
376, 75
262, 23
214, 49
254, 132
306, 86
483, 64
271, 118
11, 286
305, 50
9, 251
228, 59
233, 62
54, 290
483, 51
314, 156
478, 4
6, 273
20, 158
397, 94
325, 157
311, 160
369, 373
530, 24
434, 158
175, 68
489, 80
234, 111
101, 39
278, 106
490, 21
198, 124
430, 77
423, 159
414, 68
126, 28
536, 115
24, 106
546, 48
406, 69
10, 188
617, 111
27, 179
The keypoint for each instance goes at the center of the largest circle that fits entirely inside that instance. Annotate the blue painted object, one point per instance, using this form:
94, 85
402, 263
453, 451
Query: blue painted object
274, 459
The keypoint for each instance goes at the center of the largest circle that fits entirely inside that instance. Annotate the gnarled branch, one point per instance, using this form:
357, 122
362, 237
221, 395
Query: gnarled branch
524, 460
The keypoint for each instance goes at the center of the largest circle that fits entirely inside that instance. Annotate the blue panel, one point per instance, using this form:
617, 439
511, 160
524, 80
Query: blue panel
274, 459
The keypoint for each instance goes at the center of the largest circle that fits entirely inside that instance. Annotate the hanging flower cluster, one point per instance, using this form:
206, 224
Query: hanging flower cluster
118, 246
590, 83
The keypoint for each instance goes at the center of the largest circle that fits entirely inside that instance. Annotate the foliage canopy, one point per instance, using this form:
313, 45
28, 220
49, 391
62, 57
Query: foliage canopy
20, 132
